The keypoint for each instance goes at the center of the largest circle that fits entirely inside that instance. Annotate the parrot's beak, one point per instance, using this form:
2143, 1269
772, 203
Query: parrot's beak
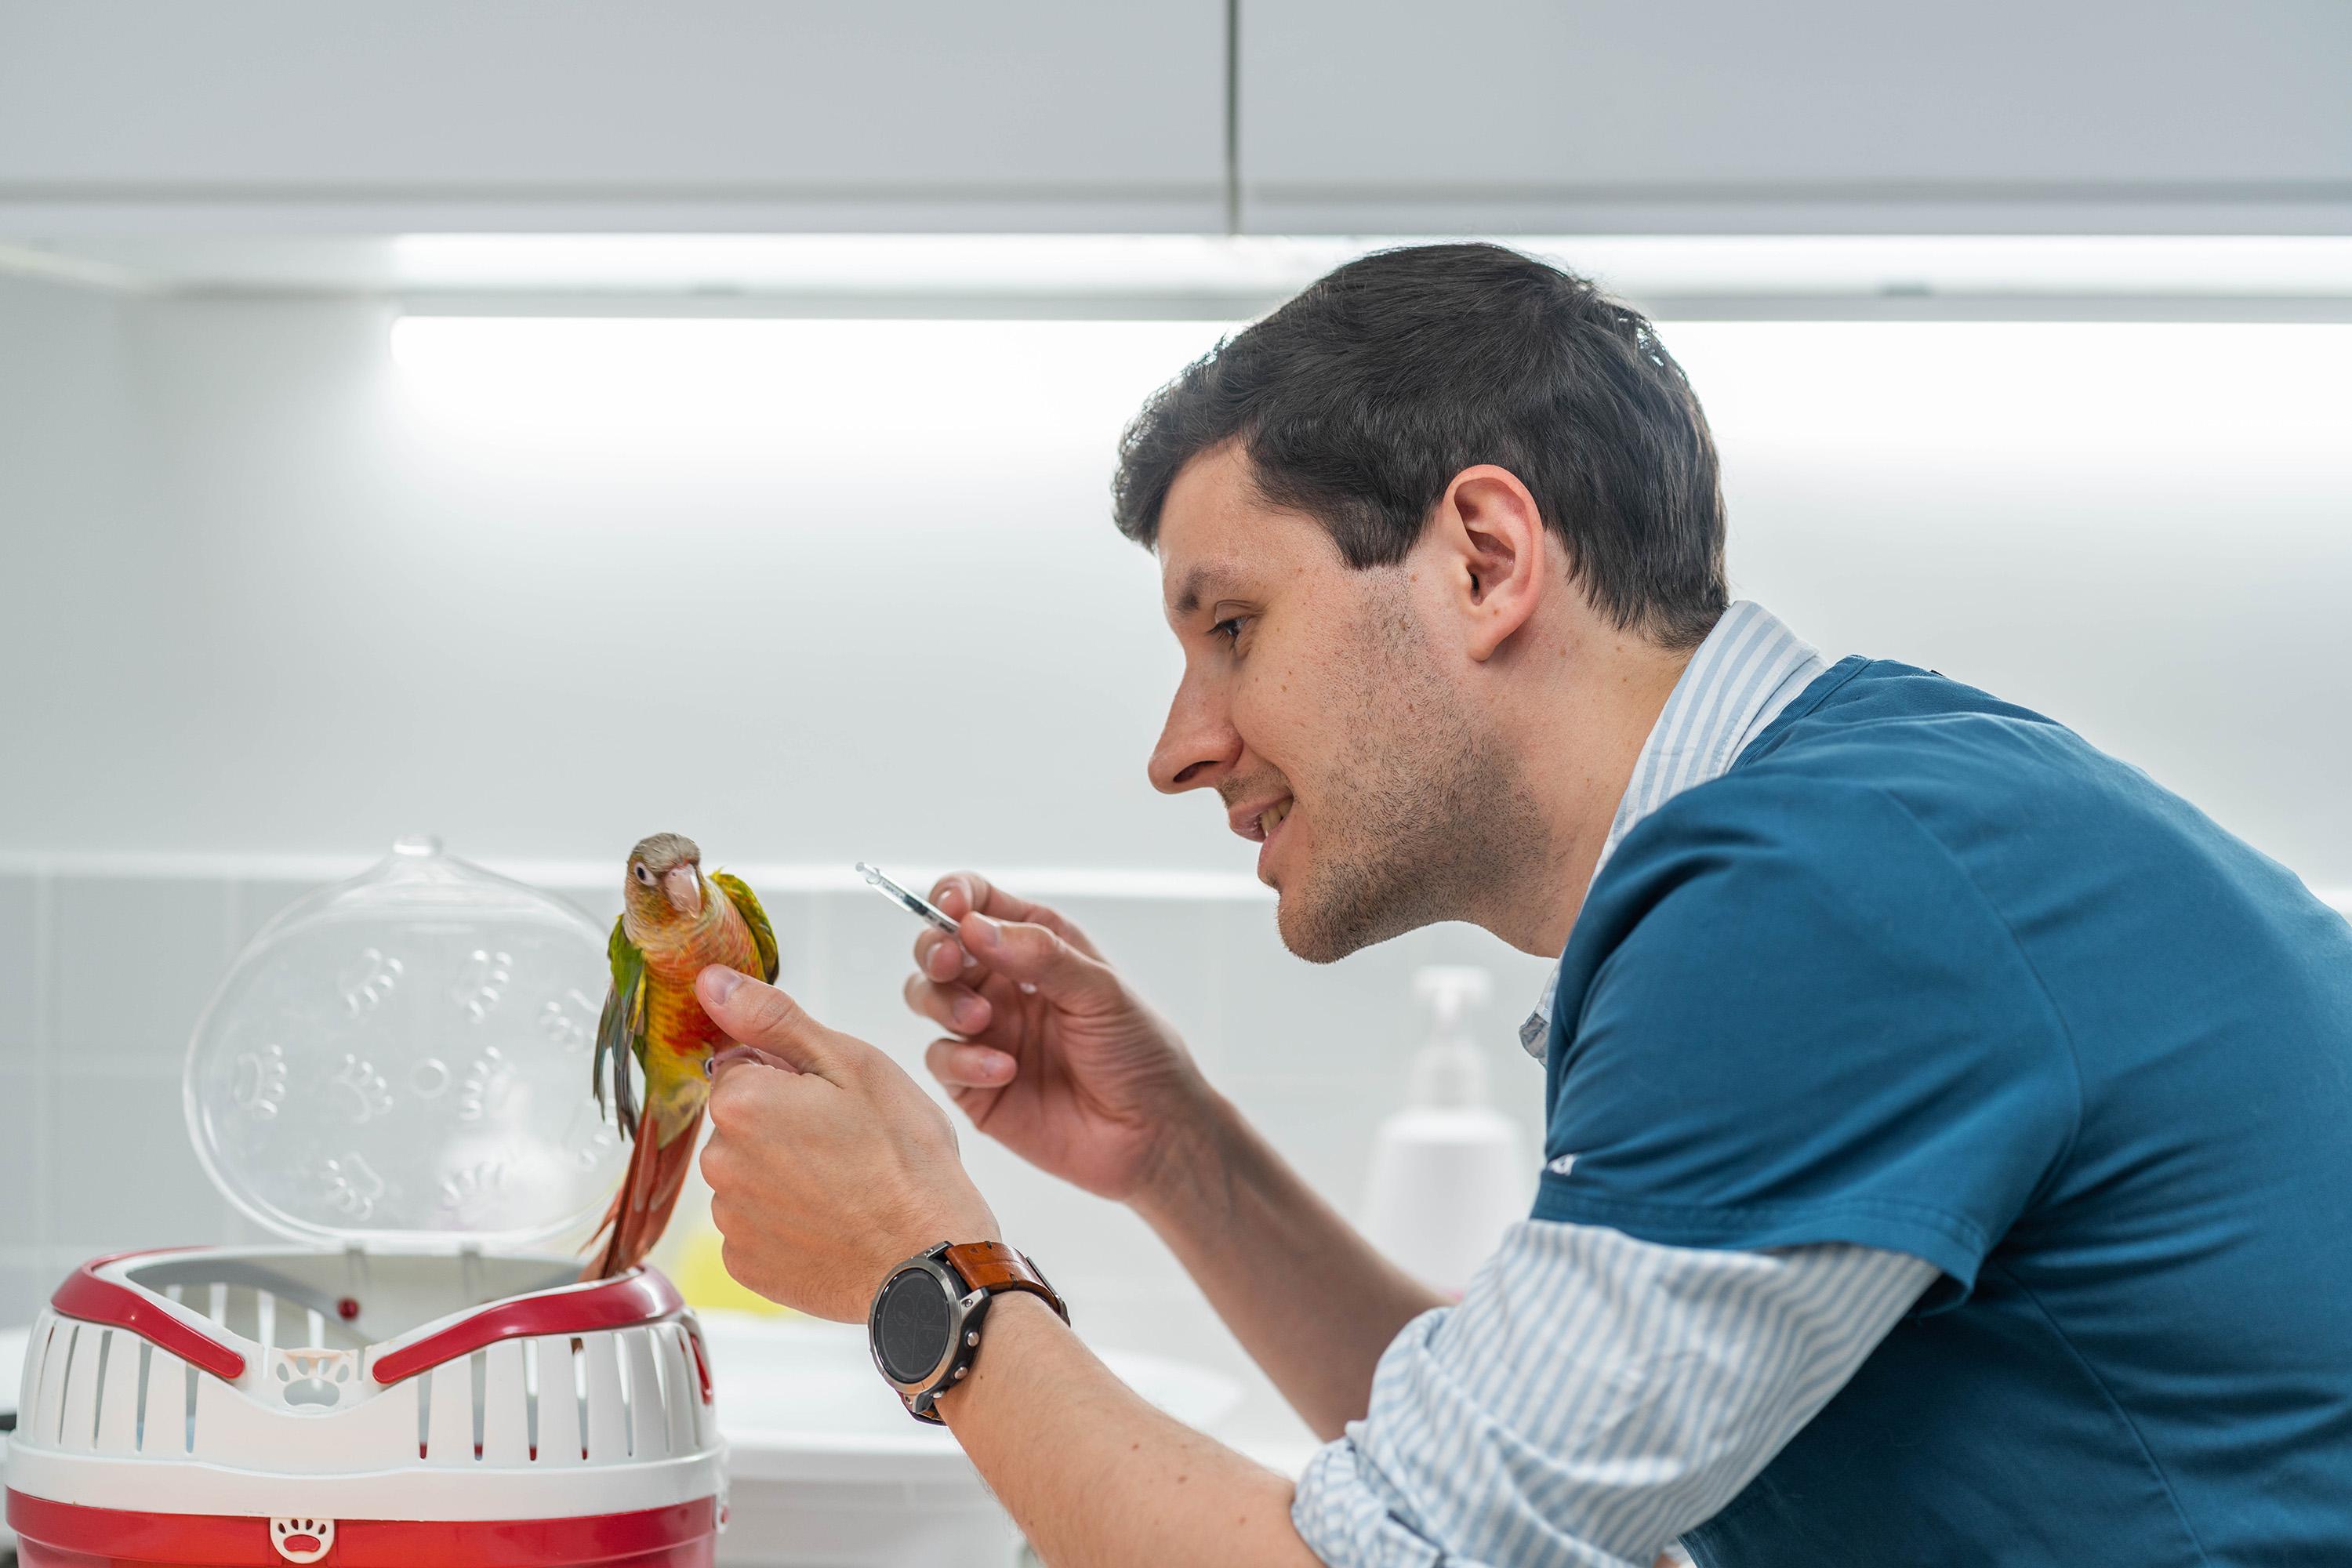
683, 884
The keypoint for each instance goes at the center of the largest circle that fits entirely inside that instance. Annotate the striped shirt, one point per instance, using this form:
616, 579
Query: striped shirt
1749, 668
1593, 1396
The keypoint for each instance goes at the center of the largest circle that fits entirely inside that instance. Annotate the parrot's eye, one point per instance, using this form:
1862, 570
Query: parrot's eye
645, 876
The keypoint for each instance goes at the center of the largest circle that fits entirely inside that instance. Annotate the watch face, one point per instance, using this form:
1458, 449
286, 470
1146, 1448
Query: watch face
910, 1326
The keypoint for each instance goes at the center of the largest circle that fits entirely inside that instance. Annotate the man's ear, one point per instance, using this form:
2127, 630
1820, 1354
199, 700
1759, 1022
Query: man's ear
1491, 538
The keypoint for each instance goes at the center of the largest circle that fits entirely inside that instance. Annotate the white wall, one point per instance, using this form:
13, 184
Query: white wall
819, 591
2145, 532
318, 613
267, 600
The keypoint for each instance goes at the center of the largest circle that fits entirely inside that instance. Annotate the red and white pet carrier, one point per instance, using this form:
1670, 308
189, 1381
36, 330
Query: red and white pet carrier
396, 1073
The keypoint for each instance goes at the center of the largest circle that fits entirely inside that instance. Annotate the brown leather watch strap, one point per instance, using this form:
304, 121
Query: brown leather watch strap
991, 1266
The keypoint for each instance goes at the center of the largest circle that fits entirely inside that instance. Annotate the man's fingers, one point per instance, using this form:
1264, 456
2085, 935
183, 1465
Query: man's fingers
959, 1063
942, 956
957, 1007
754, 1014
749, 1090
1033, 957
960, 893
719, 1061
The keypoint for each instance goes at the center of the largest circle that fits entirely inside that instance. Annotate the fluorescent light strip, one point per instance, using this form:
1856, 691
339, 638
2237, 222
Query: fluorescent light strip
772, 391
776, 390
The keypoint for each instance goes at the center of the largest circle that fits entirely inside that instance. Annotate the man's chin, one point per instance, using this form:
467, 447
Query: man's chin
1325, 930
1305, 938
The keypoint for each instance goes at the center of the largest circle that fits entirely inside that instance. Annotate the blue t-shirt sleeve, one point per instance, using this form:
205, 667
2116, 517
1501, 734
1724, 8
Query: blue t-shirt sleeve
1803, 1024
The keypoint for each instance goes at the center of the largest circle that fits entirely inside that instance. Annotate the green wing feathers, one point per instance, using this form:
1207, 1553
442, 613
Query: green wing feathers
747, 904
621, 1032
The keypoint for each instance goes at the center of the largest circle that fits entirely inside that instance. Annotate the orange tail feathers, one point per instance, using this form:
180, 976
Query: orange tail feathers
641, 1209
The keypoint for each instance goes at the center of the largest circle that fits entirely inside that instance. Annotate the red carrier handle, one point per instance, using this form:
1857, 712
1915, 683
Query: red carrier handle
640, 1295
93, 1299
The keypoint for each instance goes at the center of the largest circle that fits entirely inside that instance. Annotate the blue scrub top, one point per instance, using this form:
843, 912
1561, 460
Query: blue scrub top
1927, 972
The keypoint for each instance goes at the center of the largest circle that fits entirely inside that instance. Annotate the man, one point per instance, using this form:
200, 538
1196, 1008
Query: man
1950, 1130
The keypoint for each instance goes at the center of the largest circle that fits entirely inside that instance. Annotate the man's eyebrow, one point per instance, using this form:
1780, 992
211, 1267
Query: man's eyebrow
1199, 584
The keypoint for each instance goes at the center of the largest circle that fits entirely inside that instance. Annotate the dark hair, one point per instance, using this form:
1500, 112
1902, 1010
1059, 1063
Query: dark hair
1359, 401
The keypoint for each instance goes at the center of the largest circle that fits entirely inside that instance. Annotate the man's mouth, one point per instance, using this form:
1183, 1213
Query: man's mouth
1257, 824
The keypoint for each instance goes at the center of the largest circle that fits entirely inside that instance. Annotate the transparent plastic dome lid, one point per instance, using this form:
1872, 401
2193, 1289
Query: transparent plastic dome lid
402, 1060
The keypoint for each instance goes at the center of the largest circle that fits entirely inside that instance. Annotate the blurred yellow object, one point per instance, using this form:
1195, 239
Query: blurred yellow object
702, 1278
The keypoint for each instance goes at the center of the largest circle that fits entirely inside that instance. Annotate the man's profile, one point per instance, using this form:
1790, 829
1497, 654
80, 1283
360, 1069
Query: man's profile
1948, 1127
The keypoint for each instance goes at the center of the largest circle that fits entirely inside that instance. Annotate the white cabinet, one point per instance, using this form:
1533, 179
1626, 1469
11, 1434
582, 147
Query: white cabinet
1805, 116
238, 115
302, 117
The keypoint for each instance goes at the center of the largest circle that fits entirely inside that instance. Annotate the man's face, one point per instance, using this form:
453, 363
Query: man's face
1326, 706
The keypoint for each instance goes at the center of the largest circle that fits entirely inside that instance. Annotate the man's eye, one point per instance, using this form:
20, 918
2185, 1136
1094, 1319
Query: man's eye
1229, 628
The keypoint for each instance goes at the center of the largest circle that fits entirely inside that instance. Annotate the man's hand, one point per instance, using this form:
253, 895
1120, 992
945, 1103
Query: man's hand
1057, 1060
824, 1177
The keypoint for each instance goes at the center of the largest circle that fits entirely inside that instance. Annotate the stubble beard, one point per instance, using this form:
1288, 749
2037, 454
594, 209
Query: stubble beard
1420, 818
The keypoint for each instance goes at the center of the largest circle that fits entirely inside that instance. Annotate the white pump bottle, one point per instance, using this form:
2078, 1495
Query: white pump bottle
1447, 1176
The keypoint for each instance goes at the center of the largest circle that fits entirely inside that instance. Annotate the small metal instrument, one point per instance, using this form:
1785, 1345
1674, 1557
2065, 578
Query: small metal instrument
914, 904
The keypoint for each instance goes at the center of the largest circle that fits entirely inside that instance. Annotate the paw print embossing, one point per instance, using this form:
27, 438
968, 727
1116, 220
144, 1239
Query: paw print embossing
257, 1082
565, 1021
352, 1186
302, 1540
485, 1085
369, 980
483, 982
370, 1095
468, 1190
590, 1135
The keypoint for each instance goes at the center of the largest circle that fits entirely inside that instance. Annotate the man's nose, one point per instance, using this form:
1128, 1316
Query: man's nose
1198, 745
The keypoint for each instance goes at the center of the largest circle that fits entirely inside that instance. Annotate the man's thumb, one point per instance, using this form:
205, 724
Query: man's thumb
754, 1014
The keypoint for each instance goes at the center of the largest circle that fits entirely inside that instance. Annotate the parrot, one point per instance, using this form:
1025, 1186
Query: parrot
674, 922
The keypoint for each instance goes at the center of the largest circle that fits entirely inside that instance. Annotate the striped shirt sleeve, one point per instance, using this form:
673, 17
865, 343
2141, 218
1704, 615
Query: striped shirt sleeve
1593, 1397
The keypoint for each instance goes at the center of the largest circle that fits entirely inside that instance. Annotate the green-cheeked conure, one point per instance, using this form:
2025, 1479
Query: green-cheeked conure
674, 922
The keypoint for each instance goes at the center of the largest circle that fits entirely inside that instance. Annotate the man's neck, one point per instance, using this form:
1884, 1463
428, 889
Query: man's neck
1578, 729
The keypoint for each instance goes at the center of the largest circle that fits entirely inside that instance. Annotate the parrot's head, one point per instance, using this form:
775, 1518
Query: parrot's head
665, 883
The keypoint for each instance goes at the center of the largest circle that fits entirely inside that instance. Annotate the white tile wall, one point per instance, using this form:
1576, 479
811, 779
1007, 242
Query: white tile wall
109, 970
123, 1173
135, 958
21, 967
24, 1163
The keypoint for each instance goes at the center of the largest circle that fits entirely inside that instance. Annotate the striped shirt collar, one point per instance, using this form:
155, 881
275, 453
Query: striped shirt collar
1750, 667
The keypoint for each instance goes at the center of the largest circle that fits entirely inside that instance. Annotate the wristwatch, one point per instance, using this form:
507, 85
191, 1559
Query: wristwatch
925, 1323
